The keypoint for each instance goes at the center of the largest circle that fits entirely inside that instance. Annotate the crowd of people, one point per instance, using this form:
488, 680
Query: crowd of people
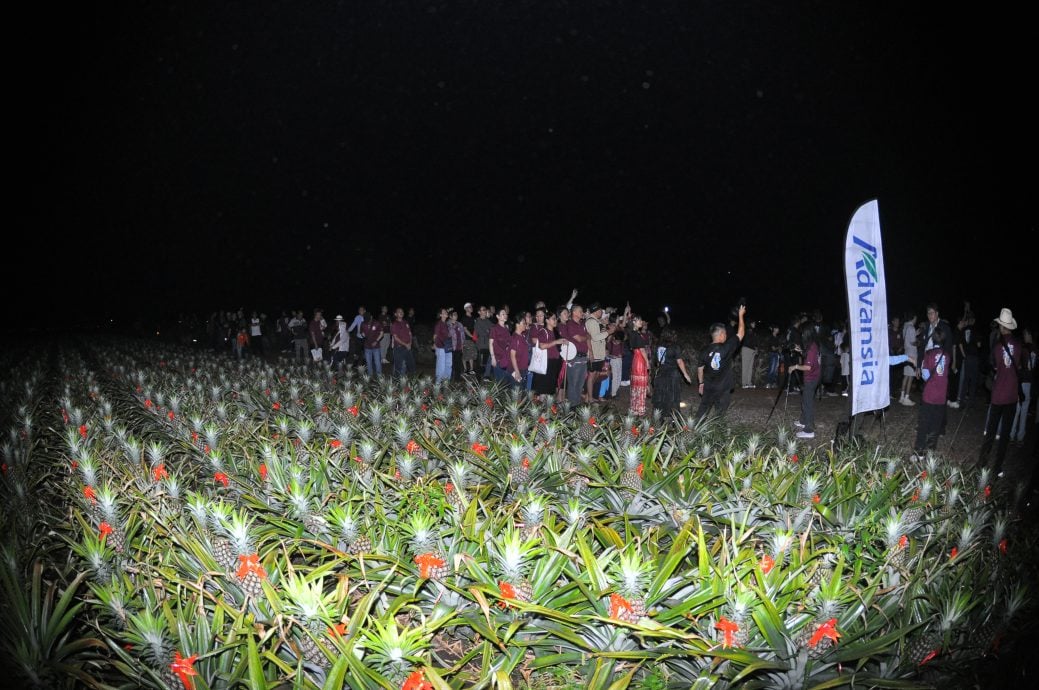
586, 353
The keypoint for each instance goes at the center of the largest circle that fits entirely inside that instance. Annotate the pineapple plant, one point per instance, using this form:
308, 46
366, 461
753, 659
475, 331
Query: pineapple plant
917, 512
631, 477
249, 573
307, 604
819, 636
111, 525
630, 574
896, 541
512, 555
519, 464
458, 485
351, 537
734, 629
423, 544
532, 511
302, 511
589, 425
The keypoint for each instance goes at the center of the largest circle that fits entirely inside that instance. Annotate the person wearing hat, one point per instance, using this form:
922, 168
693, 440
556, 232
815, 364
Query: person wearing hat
1006, 361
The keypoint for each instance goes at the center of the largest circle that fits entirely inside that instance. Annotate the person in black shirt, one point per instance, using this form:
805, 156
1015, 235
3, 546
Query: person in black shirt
714, 375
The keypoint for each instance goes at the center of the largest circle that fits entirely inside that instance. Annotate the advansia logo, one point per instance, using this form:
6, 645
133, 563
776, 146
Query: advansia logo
866, 282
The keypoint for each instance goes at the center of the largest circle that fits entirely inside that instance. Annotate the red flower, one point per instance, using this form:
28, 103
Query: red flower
425, 407
263, 471
923, 475
64, 415
618, 605
426, 561
324, 408
952, 554
988, 492
337, 629
105, 530
827, 629
277, 406
417, 681
159, 472
88, 491
916, 496
728, 629
933, 653
75, 464
412, 447
767, 563
489, 401
170, 415
184, 668
525, 463
634, 430
205, 446
222, 478
358, 459
250, 564
816, 498
353, 410
542, 420
640, 469
148, 404
591, 421
554, 409
793, 458
3, 468
194, 436
902, 541
507, 591
83, 430
335, 443
449, 487
1003, 546
479, 448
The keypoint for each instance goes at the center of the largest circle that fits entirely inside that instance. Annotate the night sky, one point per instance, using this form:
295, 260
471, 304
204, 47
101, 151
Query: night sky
276, 155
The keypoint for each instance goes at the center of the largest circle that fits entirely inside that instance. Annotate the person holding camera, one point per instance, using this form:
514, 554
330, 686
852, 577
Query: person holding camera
714, 376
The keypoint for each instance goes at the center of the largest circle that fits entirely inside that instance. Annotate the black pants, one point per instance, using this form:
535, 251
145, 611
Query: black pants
718, 397
928, 427
997, 414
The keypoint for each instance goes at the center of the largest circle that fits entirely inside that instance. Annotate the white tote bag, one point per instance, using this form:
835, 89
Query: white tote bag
538, 361
317, 353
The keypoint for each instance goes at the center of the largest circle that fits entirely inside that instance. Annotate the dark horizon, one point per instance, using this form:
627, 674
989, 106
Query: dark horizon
271, 156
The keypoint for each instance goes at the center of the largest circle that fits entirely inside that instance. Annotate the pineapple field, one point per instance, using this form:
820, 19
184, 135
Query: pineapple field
177, 519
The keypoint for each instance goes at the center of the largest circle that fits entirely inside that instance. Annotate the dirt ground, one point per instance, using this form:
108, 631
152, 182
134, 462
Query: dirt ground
894, 431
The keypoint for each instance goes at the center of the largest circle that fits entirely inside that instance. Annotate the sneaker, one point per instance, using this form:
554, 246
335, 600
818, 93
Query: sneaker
806, 434
907, 402
799, 425
954, 405
844, 394
1000, 475
915, 457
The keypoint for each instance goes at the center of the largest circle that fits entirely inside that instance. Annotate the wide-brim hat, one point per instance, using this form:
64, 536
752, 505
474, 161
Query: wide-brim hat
1006, 319
339, 317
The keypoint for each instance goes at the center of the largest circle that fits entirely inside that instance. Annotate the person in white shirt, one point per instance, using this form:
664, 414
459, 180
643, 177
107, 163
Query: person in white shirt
340, 343
358, 335
256, 335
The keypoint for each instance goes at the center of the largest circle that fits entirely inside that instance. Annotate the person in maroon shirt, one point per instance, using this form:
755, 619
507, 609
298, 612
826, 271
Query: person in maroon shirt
317, 331
544, 337
400, 334
576, 368
519, 354
1006, 361
372, 330
442, 346
934, 370
499, 338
